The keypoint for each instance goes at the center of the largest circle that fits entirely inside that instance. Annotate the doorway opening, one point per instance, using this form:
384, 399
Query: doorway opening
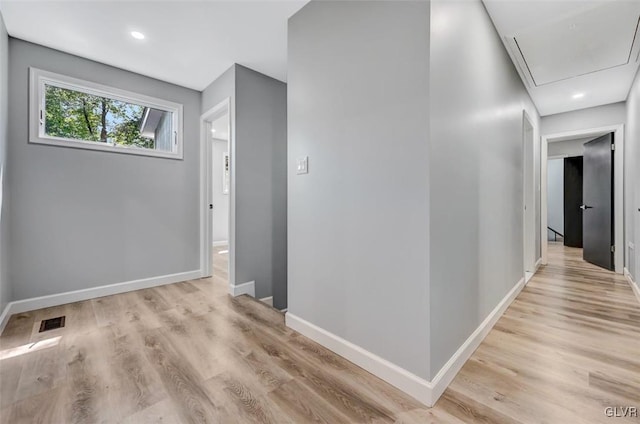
220, 185
582, 189
216, 229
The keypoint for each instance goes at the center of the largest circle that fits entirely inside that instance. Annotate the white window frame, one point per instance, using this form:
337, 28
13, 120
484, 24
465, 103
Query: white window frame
39, 78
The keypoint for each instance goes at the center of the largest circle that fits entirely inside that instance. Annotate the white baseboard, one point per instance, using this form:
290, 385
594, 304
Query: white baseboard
448, 372
423, 390
244, 288
220, 243
406, 381
537, 265
267, 300
34, 303
633, 284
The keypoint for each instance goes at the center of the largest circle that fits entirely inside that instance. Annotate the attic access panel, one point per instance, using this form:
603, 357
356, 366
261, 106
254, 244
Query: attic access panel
594, 40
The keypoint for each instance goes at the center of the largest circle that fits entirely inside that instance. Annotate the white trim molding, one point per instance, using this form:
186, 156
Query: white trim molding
423, 390
448, 372
404, 380
538, 264
634, 285
244, 288
267, 300
31, 304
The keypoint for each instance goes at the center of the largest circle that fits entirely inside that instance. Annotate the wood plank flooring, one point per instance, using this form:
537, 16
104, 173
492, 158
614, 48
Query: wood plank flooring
568, 347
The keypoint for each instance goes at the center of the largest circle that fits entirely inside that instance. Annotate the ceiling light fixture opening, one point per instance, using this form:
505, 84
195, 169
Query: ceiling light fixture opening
137, 35
578, 95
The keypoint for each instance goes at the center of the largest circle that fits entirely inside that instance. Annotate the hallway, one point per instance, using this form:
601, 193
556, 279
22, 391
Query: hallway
567, 348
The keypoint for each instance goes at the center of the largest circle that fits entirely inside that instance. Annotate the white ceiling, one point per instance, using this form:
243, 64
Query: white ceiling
189, 43
567, 47
563, 48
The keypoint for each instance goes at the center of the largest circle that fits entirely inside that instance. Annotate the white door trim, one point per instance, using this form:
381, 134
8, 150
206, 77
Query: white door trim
618, 183
226, 106
528, 187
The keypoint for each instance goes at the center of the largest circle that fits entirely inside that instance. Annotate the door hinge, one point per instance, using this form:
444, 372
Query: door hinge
613, 146
613, 249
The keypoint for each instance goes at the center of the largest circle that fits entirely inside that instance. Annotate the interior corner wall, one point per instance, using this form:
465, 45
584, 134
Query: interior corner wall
261, 184
358, 77
5, 287
85, 218
476, 204
219, 90
632, 181
593, 117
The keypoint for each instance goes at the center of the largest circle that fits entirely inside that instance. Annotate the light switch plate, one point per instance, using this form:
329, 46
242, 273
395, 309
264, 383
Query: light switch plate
302, 165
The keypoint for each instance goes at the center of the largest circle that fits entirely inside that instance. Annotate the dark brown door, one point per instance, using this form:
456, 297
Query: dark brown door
597, 197
573, 201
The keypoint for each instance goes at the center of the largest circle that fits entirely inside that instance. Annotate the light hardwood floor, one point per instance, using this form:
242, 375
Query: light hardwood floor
568, 347
220, 262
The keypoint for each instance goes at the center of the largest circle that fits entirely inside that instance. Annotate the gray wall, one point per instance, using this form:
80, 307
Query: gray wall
593, 117
5, 287
224, 86
82, 218
476, 196
261, 184
357, 78
220, 214
574, 147
555, 196
632, 180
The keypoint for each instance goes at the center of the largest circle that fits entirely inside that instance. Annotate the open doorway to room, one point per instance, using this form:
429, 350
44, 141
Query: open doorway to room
582, 189
220, 187
216, 194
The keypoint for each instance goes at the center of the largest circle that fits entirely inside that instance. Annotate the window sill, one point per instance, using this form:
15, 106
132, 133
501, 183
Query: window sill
92, 145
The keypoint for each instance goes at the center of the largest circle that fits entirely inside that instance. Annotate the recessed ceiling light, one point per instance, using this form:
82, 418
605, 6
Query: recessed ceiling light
213, 130
578, 95
137, 35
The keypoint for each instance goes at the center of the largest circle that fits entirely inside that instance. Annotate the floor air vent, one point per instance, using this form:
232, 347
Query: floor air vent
51, 324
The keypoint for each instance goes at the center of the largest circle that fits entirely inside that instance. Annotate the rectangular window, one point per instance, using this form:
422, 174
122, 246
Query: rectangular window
69, 112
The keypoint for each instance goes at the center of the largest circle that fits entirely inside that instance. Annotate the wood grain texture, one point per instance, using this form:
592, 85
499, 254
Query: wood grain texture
568, 347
